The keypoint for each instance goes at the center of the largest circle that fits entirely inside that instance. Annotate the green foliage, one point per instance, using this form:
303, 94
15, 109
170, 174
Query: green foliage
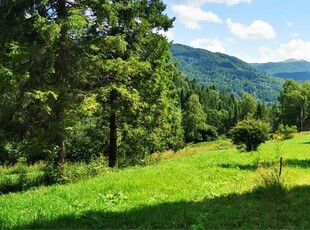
221, 107
286, 132
60, 64
294, 102
19, 179
226, 72
248, 106
194, 120
209, 133
21, 176
73, 172
250, 133
53, 171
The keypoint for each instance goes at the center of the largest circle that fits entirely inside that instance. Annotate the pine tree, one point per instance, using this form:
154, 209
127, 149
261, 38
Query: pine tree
194, 119
131, 73
40, 53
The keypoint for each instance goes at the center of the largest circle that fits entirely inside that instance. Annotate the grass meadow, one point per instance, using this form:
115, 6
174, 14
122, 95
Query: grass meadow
209, 185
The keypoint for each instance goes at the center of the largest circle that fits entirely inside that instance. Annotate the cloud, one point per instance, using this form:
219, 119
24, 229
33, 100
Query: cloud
296, 48
289, 24
257, 30
191, 16
203, 2
295, 35
213, 45
168, 34
230, 39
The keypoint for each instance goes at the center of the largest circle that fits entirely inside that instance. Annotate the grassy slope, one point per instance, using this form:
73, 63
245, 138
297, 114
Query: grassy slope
209, 189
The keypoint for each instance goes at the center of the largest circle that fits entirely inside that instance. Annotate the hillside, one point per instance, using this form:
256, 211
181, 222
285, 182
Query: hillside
225, 71
205, 186
289, 69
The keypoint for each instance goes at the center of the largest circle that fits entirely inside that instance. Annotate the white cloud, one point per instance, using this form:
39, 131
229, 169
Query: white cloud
230, 39
295, 35
257, 30
191, 16
213, 45
296, 48
202, 2
168, 34
289, 24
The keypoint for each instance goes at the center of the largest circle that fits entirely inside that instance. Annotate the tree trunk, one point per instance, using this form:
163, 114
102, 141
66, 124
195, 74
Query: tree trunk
113, 131
61, 73
301, 120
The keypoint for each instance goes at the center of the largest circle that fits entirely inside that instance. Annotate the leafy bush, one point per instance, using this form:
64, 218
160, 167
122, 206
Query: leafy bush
72, 172
53, 171
9, 153
19, 179
209, 133
250, 133
285, 132
21, 176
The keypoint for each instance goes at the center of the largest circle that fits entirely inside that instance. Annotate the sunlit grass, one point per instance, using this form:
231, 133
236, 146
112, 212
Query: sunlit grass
209, 185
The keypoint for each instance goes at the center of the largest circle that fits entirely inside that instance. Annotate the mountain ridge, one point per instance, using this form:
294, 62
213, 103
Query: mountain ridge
289, 69
225, 71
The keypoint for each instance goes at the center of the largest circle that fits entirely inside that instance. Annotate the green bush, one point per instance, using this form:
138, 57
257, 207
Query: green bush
250, 133
209, 133
53, 170
19, 179
286, 132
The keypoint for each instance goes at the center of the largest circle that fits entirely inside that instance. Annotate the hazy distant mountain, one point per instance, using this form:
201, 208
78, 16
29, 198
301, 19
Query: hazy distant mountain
225, 71
291, 68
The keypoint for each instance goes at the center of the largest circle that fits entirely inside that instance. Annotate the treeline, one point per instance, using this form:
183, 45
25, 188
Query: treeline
209, 113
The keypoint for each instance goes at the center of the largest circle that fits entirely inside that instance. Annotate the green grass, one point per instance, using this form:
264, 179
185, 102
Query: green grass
210, 185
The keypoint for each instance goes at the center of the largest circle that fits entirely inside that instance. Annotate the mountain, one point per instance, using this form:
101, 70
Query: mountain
225, 71
291, 68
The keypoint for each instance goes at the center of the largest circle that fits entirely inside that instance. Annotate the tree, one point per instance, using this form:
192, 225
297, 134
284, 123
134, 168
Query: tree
250, 133
57, 54
194, 119
130, 72
41, 55
262, 111
247, 106
294, 103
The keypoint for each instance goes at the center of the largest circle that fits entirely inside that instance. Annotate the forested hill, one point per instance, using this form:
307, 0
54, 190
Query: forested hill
225, 71
291, 68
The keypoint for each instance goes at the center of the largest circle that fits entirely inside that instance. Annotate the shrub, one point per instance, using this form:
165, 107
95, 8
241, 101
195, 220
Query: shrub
209, 133
53, 171
250, 133
286, 132
19, 179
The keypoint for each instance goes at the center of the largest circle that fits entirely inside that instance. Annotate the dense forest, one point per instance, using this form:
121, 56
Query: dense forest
226, 72
83, 78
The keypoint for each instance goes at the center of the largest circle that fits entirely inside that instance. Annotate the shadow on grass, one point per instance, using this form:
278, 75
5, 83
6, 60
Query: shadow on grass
306, 143
239, 166
297, 163
250, 167
261, 208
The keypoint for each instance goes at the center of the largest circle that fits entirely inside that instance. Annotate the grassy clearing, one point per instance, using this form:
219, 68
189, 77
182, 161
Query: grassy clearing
210, 186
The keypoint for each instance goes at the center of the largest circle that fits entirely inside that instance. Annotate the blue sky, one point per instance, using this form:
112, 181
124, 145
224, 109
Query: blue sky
252, 30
